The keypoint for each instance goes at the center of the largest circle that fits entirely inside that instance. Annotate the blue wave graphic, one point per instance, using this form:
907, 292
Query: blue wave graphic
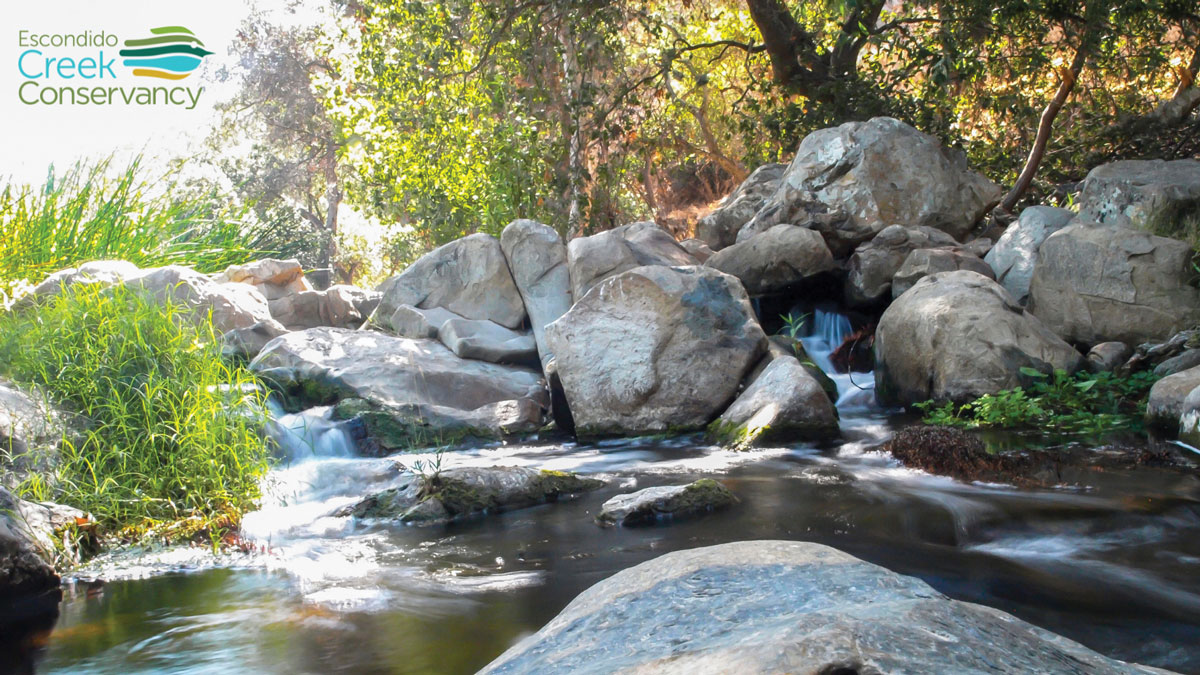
176, 64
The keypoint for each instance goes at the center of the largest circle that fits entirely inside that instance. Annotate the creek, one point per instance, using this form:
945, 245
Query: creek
1111, 562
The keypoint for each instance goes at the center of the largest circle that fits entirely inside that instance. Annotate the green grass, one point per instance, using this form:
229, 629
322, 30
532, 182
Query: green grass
90, 212
173, 446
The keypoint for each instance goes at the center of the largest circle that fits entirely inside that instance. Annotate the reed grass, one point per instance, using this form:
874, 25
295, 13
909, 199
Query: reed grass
173, 438
92, 212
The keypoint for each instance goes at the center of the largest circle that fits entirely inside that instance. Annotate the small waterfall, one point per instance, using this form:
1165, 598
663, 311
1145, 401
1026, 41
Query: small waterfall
310, 433
828, 329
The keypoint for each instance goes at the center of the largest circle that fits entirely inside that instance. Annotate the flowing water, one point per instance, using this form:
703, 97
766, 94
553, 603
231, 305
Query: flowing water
1113, 562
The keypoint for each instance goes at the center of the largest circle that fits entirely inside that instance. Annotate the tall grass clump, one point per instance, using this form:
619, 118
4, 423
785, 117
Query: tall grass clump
171, 432
90, 212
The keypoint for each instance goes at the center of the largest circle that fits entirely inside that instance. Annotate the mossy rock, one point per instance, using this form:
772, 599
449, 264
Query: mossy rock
394, 430
653, 505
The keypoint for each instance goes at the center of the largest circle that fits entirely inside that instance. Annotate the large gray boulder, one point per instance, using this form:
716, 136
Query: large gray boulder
925, 261
878, 173
1164, 405
340, 306
783, 403
1142, 193
468, 276
421, 384
959, 335
1100, 283
1015, 253
786, 607
775, 260
600, 256
719, 229
655, 348
875, 263
31, 430
466, 492
538, 260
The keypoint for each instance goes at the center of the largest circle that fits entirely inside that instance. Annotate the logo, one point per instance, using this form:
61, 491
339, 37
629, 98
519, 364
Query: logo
171, 53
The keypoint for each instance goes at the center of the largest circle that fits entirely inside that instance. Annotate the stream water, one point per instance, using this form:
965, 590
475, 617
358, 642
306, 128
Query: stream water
1113, 562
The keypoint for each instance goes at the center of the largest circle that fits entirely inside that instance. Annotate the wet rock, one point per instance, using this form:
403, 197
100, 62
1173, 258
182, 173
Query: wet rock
957, 336
467, 276
1107, 356
1164, 406
782, 346
782, 404
1013, 257
667, 502
1142, 193
468, 491
27, 544
719, 229
538, 260
421, 384
655, 348
777, 259
699, 250
416, 323
488, 341
925, 261
867, 170
600, 256
1100, 283
786, 607
1179, 363
875, 263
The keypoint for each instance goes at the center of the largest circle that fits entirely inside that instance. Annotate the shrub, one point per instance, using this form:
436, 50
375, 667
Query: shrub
172, 433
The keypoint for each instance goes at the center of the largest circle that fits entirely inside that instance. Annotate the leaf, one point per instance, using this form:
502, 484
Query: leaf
1032, 372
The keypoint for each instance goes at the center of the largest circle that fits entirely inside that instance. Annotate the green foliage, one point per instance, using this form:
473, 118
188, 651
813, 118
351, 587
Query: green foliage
172, 432
1084, 402
88, 213
793, 325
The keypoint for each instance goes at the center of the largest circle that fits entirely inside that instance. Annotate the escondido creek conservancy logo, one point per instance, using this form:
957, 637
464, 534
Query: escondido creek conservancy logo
55, 76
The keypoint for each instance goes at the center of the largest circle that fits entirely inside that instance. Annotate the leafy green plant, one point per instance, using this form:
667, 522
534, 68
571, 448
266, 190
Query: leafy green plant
172, 441
1084, 402
793, 325
91, 213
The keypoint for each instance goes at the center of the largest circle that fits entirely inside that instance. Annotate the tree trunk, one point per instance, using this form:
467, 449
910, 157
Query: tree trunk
789, 46
1045, 126
575, 169
1186, 97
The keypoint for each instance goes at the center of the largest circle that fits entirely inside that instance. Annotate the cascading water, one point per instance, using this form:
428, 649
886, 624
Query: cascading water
310, 433
828, 329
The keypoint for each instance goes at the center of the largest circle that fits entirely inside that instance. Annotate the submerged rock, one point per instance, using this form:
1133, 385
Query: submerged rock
422, 385
469, 491
667, 502
955, 336
655, 349
786, 607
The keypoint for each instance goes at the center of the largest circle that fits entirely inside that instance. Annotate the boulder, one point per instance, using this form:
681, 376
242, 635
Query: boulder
655, 348
1102, 283
877, 173
668, 502
1189, 419
538, 260
102, 272
340, 306
925, 261
1107, 356
272, 277
1015, 253
31, 430
979, 247
600, 256
699, 250
957, 336
416, 323
464, 492
783, 403
786, 607
777, 259
421, 385
874, 263
1150, 355
27, 544
1178, 363
1144, 194
468, 276
246, 343
1164, 405
720, 228
488, 341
